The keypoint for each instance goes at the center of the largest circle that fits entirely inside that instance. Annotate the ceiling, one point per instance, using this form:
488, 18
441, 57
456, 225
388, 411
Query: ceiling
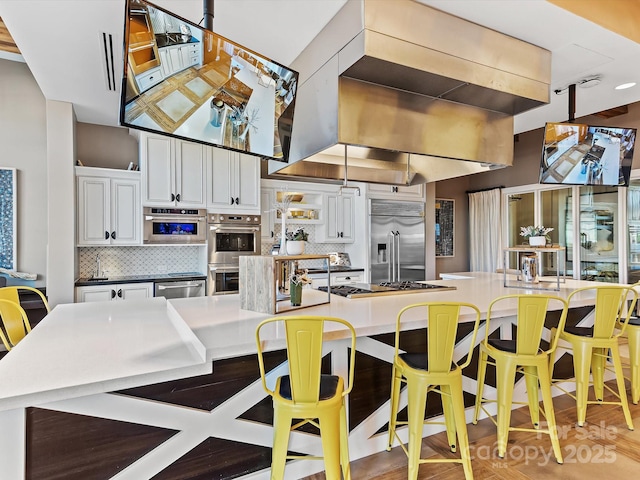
61, 43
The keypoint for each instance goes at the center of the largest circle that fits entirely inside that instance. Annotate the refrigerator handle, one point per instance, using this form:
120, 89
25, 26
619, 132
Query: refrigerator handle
391, 259
397, 249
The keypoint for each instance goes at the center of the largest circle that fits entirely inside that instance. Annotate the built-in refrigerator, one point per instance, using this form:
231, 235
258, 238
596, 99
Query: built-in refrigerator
397, 233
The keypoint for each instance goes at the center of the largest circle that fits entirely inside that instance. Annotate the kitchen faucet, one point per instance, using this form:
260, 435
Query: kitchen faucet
98, 273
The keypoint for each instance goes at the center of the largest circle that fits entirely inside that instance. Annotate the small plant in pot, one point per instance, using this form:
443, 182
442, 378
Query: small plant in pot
295, 241
538, 236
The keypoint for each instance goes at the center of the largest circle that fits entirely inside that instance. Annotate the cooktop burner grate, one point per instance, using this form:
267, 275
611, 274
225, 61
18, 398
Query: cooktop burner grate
408, 285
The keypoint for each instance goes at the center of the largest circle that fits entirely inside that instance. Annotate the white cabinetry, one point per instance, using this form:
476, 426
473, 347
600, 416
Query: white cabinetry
178, 57
338, 211
121, 291
109, 211
173, 172
233, 182
413, 192
268, 214
341, 278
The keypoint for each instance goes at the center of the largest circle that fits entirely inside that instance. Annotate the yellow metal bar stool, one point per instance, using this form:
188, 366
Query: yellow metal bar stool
433, 369
14, 324
633, 338
529, 354
594, 346
307, 394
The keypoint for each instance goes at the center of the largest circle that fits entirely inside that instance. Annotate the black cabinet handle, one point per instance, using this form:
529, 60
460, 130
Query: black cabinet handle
106, 235
113, 234
120, 292
173, 197
113, 294
237, 200
178, 197
271, 233
231, 201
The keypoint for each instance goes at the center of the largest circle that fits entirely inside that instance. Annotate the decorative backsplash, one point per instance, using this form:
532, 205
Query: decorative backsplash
125, 261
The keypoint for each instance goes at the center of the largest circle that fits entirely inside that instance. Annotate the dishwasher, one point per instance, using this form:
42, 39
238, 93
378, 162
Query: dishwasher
179, 288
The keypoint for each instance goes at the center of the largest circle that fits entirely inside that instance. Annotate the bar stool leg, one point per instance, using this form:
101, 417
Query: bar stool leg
457, 399
581, 368
482, 370
330, 435
617, 364
281, 430
449, 418
547, 400
598, 360
396, 382
505, 378
417, 390
633, 335
531, 380
344, 443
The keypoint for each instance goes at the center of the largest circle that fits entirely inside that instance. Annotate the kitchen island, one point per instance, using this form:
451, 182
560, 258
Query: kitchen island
230, 428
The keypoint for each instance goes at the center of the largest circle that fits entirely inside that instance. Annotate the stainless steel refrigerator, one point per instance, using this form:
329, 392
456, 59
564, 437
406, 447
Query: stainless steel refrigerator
397, 241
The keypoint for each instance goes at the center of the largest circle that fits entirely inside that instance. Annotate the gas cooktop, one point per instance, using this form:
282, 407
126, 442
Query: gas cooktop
360, 290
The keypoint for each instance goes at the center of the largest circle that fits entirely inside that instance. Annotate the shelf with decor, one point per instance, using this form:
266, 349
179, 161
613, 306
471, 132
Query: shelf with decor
266, 281
304, 207
524, 277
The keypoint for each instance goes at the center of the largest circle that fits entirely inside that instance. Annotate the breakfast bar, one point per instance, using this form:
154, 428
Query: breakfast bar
104, 360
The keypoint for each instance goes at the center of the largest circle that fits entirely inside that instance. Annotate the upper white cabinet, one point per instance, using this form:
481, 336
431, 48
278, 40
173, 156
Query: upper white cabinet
338, 213
173, 172
233, 182
109, 210
413, 192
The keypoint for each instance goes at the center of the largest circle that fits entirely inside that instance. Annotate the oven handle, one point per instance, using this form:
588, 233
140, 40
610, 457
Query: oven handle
180, 285
175, 219
233, 229
224, 269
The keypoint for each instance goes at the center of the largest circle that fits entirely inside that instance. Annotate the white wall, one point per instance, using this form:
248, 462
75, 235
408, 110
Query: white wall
23, 145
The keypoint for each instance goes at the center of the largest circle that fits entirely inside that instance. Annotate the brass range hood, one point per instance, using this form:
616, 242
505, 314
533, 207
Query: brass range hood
416, 94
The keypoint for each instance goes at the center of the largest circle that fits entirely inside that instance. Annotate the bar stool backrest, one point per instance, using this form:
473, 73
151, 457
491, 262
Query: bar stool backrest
612, 308
442, 321
14, 324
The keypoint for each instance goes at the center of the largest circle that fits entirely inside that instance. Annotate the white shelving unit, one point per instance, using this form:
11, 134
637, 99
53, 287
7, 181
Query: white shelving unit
544, 283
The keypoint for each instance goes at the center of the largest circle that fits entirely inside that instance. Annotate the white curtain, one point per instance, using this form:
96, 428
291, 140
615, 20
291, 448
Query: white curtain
485, 227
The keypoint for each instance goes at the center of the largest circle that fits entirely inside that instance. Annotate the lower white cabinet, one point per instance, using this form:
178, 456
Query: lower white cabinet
120, 291
341, 278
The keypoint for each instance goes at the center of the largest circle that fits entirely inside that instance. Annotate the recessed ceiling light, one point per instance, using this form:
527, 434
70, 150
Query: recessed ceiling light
626, 85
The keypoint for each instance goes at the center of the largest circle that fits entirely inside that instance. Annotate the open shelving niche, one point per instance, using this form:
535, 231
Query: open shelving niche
309, 206
544, 283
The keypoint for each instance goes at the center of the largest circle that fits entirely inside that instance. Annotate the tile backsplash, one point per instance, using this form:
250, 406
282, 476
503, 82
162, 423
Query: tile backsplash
125, 261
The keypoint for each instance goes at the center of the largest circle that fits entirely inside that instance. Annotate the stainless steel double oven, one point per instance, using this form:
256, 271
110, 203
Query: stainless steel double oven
229, 236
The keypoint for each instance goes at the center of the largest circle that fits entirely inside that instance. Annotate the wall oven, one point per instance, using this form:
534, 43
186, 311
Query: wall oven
174, 226
229, 237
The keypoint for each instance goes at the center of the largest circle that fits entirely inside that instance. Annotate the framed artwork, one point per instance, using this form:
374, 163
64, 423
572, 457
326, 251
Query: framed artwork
8, 214
444, 227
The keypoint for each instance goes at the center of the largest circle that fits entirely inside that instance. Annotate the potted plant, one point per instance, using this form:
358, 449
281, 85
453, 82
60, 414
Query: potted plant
295, 241
297, 279
538, 236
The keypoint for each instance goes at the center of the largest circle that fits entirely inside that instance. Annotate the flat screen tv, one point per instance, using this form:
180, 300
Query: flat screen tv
185, 81
580, 154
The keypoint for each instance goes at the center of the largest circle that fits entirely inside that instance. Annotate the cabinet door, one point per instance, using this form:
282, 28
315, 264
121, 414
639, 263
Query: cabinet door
165, 62
190, 174
268, 215
98, 293
247, 182
219, 189
126, 212
176, 59
338, 214
94, 226
133, 291
157, 161
413, 192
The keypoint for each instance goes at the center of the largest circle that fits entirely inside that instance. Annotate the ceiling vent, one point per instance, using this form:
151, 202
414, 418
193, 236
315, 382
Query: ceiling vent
106, 42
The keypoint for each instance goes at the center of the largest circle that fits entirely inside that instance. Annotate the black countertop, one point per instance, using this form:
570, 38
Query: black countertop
158, 277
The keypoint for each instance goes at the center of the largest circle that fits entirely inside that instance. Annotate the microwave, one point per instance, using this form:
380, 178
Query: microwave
174, 226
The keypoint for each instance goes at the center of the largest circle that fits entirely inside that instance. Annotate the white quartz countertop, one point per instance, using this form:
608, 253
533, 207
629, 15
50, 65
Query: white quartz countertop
228, 331
86, 348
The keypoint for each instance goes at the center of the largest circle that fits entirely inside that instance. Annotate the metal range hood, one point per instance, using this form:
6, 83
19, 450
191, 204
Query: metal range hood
416, 95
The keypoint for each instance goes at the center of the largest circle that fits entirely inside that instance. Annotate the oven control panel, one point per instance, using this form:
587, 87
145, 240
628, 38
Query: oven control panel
233, 219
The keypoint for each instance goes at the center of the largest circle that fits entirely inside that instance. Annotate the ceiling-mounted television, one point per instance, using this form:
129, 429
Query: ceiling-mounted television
188, 82
580, 154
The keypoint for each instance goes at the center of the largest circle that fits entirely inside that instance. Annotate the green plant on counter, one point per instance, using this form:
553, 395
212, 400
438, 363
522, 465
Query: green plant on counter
298, 235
